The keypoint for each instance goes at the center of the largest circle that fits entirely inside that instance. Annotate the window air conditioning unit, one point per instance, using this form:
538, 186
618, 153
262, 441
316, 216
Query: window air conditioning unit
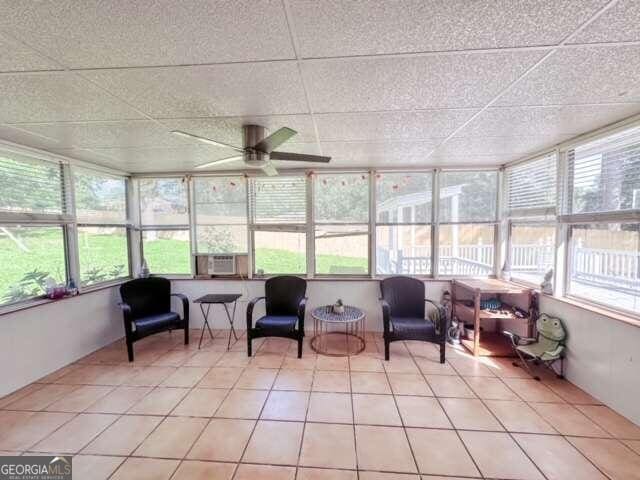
221, 265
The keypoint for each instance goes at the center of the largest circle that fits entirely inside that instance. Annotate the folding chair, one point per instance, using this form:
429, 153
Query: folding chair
545, 349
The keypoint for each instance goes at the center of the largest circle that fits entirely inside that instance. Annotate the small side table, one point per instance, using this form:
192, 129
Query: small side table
324, 319
220, 299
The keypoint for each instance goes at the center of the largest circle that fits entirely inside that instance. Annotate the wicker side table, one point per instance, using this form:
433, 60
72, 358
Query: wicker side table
337, 330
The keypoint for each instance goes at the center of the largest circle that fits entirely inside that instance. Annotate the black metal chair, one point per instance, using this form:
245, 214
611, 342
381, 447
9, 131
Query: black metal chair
285, 304
146, 305
403, 314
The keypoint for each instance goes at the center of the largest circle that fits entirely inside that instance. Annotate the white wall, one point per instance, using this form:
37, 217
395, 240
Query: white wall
363, 294
602, 356
39, 340
602, 352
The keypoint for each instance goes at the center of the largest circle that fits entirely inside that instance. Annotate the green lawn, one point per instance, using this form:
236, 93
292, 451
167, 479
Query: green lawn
104, 256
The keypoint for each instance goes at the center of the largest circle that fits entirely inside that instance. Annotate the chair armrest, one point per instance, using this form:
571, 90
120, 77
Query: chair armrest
185, 305
302, 307
517, 340
126, 309
250, 306
386, 314
126, 313
441, 328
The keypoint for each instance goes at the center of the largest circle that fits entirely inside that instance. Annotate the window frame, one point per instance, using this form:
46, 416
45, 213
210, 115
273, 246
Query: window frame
374, 179
142, 227
533, 217
313, 224
253, 227
127, 224
193, 214
495, 223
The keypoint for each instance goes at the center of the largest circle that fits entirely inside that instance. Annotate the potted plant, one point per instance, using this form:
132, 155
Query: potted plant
338, 307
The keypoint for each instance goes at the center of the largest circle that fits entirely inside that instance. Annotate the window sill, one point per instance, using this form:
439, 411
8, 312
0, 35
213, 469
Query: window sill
629, 319
37, 302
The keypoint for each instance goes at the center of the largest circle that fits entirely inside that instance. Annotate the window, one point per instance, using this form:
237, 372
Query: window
34, 209
341, 213
101, 212
531, 208
164, 218
278, 223
30, 255
531, 251
602, 212
403, 218
467, 217
605, 264
221, 215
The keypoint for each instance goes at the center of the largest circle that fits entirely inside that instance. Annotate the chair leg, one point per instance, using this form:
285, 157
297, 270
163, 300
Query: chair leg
386, 349
248, 343
130, 350
443, 349
186, 335
300, 346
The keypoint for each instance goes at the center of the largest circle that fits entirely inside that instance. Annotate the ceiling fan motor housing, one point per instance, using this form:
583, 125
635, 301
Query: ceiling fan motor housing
254, 134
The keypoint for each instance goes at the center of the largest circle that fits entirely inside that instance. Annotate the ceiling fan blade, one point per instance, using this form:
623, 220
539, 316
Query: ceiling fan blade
269, 169
298, 157
273, 141
221, 161
205, 140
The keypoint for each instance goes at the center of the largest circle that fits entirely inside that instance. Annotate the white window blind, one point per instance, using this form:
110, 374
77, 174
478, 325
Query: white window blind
531, 188
604, 174
468, 196
101, 199
30, 185
278, 200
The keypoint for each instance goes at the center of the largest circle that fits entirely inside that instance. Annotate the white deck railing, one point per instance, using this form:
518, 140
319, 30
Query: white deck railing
597, 267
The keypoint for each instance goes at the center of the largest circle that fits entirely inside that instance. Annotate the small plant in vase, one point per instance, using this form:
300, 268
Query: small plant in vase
338, 307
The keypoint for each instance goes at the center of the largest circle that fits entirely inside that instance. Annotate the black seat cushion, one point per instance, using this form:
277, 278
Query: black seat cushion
156, 323
413, 326
277, 322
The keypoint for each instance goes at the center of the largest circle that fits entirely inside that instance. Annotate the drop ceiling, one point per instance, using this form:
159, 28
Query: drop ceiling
371, 83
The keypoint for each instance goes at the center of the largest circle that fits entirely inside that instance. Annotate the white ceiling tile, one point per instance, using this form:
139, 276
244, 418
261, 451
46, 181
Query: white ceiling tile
162, 159
390, 154
419, 125
549, 120
96, 34
334, 28
267, 88
418, 82
130, 133
55, 97
18, 58
229, 129
21, 137
620, 23
581, 75
439, 160
458, 147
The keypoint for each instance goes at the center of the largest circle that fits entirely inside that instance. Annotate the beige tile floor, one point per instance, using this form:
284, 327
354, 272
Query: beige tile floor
182, 413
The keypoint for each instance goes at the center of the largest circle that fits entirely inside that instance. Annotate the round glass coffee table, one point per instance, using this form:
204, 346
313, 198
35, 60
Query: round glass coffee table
338, 334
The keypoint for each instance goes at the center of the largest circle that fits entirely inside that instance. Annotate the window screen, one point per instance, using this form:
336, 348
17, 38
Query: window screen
341, 198
467, 197
101, 198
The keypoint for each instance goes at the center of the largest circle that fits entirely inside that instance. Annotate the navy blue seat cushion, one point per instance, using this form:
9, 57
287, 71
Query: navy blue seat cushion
277, 322
156, 323
412, 325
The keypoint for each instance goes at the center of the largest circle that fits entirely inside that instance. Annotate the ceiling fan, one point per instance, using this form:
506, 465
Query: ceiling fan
258, 150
